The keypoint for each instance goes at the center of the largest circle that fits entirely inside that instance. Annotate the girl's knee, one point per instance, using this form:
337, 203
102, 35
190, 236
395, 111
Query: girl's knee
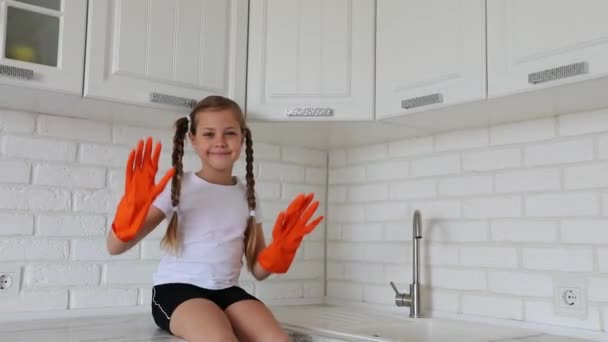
222, 337
283, 338
277, 336
225, 338
208, 334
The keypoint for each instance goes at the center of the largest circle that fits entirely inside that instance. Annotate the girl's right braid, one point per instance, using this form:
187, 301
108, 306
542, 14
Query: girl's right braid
249, 169
170, 241
251, 233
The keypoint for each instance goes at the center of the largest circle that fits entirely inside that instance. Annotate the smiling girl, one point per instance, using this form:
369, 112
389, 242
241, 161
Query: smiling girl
213, 224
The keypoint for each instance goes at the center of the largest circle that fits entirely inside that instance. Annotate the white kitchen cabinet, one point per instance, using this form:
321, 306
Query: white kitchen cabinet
311, 60
166, 53
429, 54
543, 43
43, 43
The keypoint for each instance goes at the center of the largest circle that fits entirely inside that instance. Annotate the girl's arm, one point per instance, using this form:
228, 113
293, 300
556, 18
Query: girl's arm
116, 246
258, 272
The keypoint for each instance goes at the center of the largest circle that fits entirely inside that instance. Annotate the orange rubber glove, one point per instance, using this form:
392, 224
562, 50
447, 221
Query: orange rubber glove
140, 190
287, 234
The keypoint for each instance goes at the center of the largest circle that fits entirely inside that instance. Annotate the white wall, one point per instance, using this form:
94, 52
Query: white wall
506, 211
60, 181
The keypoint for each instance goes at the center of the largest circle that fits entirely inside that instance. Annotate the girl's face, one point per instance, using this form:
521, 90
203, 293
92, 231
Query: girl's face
218, 139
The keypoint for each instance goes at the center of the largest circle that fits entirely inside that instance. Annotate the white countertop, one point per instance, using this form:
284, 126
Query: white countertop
318, 322
368, 325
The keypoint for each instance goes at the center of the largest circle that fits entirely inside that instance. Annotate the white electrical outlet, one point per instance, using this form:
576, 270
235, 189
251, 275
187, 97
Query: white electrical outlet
570, 298
10, 280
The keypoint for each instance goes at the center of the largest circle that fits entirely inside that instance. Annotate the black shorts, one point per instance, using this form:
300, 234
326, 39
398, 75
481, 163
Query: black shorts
167, 297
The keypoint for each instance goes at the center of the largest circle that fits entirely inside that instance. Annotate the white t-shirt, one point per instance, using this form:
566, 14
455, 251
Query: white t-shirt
212, 221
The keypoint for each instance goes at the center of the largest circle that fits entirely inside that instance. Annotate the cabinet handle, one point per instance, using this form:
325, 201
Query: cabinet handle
11, 71
422, 101
172, 100
559, 72
309, 111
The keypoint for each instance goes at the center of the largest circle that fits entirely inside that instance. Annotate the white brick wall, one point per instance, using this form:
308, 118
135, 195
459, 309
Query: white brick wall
506, 211
36, 300
14, 171
507, 308
520, 283
523, 132
101, 297
16, 224
491, 159
563, 259
463, 139
60, 181
602, 256
542, 312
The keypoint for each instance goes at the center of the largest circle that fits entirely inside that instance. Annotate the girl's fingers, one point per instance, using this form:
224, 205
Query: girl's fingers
156, 155
306, 202
148, 152
298, 208
310, 227
129, 169
309, 212
293, 211
295, 204
139, 155
163, 182
279, 225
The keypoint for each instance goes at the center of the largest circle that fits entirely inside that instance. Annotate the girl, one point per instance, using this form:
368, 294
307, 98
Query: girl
213, 224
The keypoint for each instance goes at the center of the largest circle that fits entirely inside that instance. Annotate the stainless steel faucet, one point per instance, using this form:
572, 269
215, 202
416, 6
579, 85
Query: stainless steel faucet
412, 299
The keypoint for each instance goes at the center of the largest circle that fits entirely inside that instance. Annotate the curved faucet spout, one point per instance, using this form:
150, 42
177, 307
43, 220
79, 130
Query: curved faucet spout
417, 231
416, 235
412, 299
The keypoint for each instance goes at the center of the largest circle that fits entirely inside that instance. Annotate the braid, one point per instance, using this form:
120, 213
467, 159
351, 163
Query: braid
249, 168
170, 240
251, 234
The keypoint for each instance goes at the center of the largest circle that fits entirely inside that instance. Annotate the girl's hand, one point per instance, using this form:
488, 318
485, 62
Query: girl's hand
289, 229
140, 189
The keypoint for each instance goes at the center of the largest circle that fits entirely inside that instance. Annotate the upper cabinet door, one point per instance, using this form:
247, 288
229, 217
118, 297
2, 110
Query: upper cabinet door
311, 59
166, 52
43, 44
429, 53
541, 43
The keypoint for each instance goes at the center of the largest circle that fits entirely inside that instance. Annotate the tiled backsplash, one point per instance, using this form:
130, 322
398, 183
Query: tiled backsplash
60, 181
508, 211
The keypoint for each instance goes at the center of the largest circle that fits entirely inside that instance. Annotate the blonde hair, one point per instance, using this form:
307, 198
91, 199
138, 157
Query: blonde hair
211, 103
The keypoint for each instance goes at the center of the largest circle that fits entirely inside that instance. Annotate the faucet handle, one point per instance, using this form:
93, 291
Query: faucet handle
401, 299
395, 288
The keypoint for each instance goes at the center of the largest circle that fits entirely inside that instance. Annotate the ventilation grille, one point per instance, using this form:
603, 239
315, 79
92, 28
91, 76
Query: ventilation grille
11, 71
559, 72
309, 111
172, 100
422, 101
